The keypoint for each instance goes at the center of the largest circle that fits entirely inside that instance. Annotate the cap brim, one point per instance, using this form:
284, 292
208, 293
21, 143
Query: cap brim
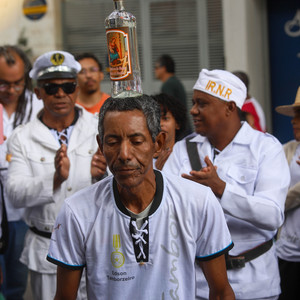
287, 110
52, 75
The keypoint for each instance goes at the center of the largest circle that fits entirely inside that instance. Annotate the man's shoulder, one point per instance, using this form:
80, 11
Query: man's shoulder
177, 185
191, 138
86, 116
91, 196
251, 136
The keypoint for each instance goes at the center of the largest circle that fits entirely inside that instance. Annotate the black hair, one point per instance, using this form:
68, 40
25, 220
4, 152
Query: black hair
144, 103
176, 108
84, 55
9, 53
242, 76
167, 61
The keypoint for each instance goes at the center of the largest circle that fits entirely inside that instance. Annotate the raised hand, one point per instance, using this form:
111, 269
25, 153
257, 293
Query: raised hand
98, 165
208, 176
62, 166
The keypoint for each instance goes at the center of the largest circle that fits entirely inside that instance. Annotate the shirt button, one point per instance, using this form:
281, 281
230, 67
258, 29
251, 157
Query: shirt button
69, 189
42, 158
47, 228
243, 178
91, 151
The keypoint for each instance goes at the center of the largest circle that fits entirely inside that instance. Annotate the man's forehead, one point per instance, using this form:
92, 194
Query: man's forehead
199, 95
125, 120
57, 80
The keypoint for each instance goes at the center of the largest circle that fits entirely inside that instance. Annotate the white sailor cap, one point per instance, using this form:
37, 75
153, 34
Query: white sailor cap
223, 85
55, 64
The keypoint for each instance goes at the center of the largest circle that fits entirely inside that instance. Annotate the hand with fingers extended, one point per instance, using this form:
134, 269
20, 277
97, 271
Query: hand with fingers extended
208, 176
98, 165
162, 158
62, 166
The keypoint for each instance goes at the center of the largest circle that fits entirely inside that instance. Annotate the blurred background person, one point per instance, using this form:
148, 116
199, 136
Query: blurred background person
172, 122
20, 105
165, 72
255, 115
288, 242
89, 79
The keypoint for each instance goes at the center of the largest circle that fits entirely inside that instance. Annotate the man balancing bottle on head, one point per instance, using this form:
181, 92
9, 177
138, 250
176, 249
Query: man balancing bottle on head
138, 232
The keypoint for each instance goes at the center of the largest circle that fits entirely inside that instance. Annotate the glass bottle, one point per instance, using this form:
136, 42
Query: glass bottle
123, 55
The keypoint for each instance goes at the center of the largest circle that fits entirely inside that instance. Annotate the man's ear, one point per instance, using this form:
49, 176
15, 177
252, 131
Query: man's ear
99, 143
231, 107
159, 143
37, 92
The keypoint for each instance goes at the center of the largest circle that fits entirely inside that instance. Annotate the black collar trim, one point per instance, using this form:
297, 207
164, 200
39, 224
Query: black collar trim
157, 197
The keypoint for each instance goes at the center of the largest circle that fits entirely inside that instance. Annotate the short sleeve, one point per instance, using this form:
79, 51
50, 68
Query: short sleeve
67, 241
214, 239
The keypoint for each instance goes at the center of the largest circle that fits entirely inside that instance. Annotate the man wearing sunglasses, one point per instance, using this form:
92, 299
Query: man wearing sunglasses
53, 156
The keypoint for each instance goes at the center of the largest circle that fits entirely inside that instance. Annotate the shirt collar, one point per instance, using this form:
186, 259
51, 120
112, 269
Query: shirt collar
243, 136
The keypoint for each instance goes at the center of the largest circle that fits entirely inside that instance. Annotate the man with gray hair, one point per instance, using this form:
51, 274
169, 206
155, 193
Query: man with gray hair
248, 173
138, 232
53, 156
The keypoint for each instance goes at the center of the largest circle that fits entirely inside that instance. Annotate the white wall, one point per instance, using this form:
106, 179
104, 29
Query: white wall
246, 46
42, 35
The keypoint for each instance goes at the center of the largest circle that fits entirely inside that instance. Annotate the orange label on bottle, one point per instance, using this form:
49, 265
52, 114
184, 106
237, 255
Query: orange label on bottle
119, 54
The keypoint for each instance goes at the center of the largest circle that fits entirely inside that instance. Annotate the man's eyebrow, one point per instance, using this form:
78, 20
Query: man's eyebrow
137, 134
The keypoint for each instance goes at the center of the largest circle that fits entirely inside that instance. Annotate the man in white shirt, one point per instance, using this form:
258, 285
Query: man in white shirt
20, 105
52, 157
138, 232
247, 171
288, 242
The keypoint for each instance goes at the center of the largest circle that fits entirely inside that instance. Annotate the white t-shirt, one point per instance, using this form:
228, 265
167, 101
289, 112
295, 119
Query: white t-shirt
94, 230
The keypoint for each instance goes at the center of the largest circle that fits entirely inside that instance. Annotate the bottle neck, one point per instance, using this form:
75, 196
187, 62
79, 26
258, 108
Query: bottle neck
119, 4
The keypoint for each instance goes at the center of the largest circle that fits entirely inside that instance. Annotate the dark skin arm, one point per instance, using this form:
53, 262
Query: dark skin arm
215, 273
67, 283
208, 176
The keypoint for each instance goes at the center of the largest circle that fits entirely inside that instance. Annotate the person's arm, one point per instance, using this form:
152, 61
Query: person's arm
215, 273
67, 283
30, 176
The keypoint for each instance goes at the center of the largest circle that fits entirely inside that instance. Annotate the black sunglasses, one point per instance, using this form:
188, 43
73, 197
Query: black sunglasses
52, 88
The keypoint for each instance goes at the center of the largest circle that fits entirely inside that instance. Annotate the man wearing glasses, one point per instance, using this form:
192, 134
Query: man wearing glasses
90, 76
20, 105
53, 156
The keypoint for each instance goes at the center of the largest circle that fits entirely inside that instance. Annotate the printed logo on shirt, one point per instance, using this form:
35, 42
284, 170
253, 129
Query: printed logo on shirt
8, 157
57, 227
117, 258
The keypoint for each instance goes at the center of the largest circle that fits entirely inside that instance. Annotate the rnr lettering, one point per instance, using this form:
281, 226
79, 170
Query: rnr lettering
218, 90
173, 251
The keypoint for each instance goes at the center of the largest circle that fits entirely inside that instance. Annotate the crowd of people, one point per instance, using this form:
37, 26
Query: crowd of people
109, 198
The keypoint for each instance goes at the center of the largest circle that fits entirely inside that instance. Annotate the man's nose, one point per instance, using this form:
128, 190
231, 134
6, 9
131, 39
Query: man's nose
194, 110
60, 92
125, 151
